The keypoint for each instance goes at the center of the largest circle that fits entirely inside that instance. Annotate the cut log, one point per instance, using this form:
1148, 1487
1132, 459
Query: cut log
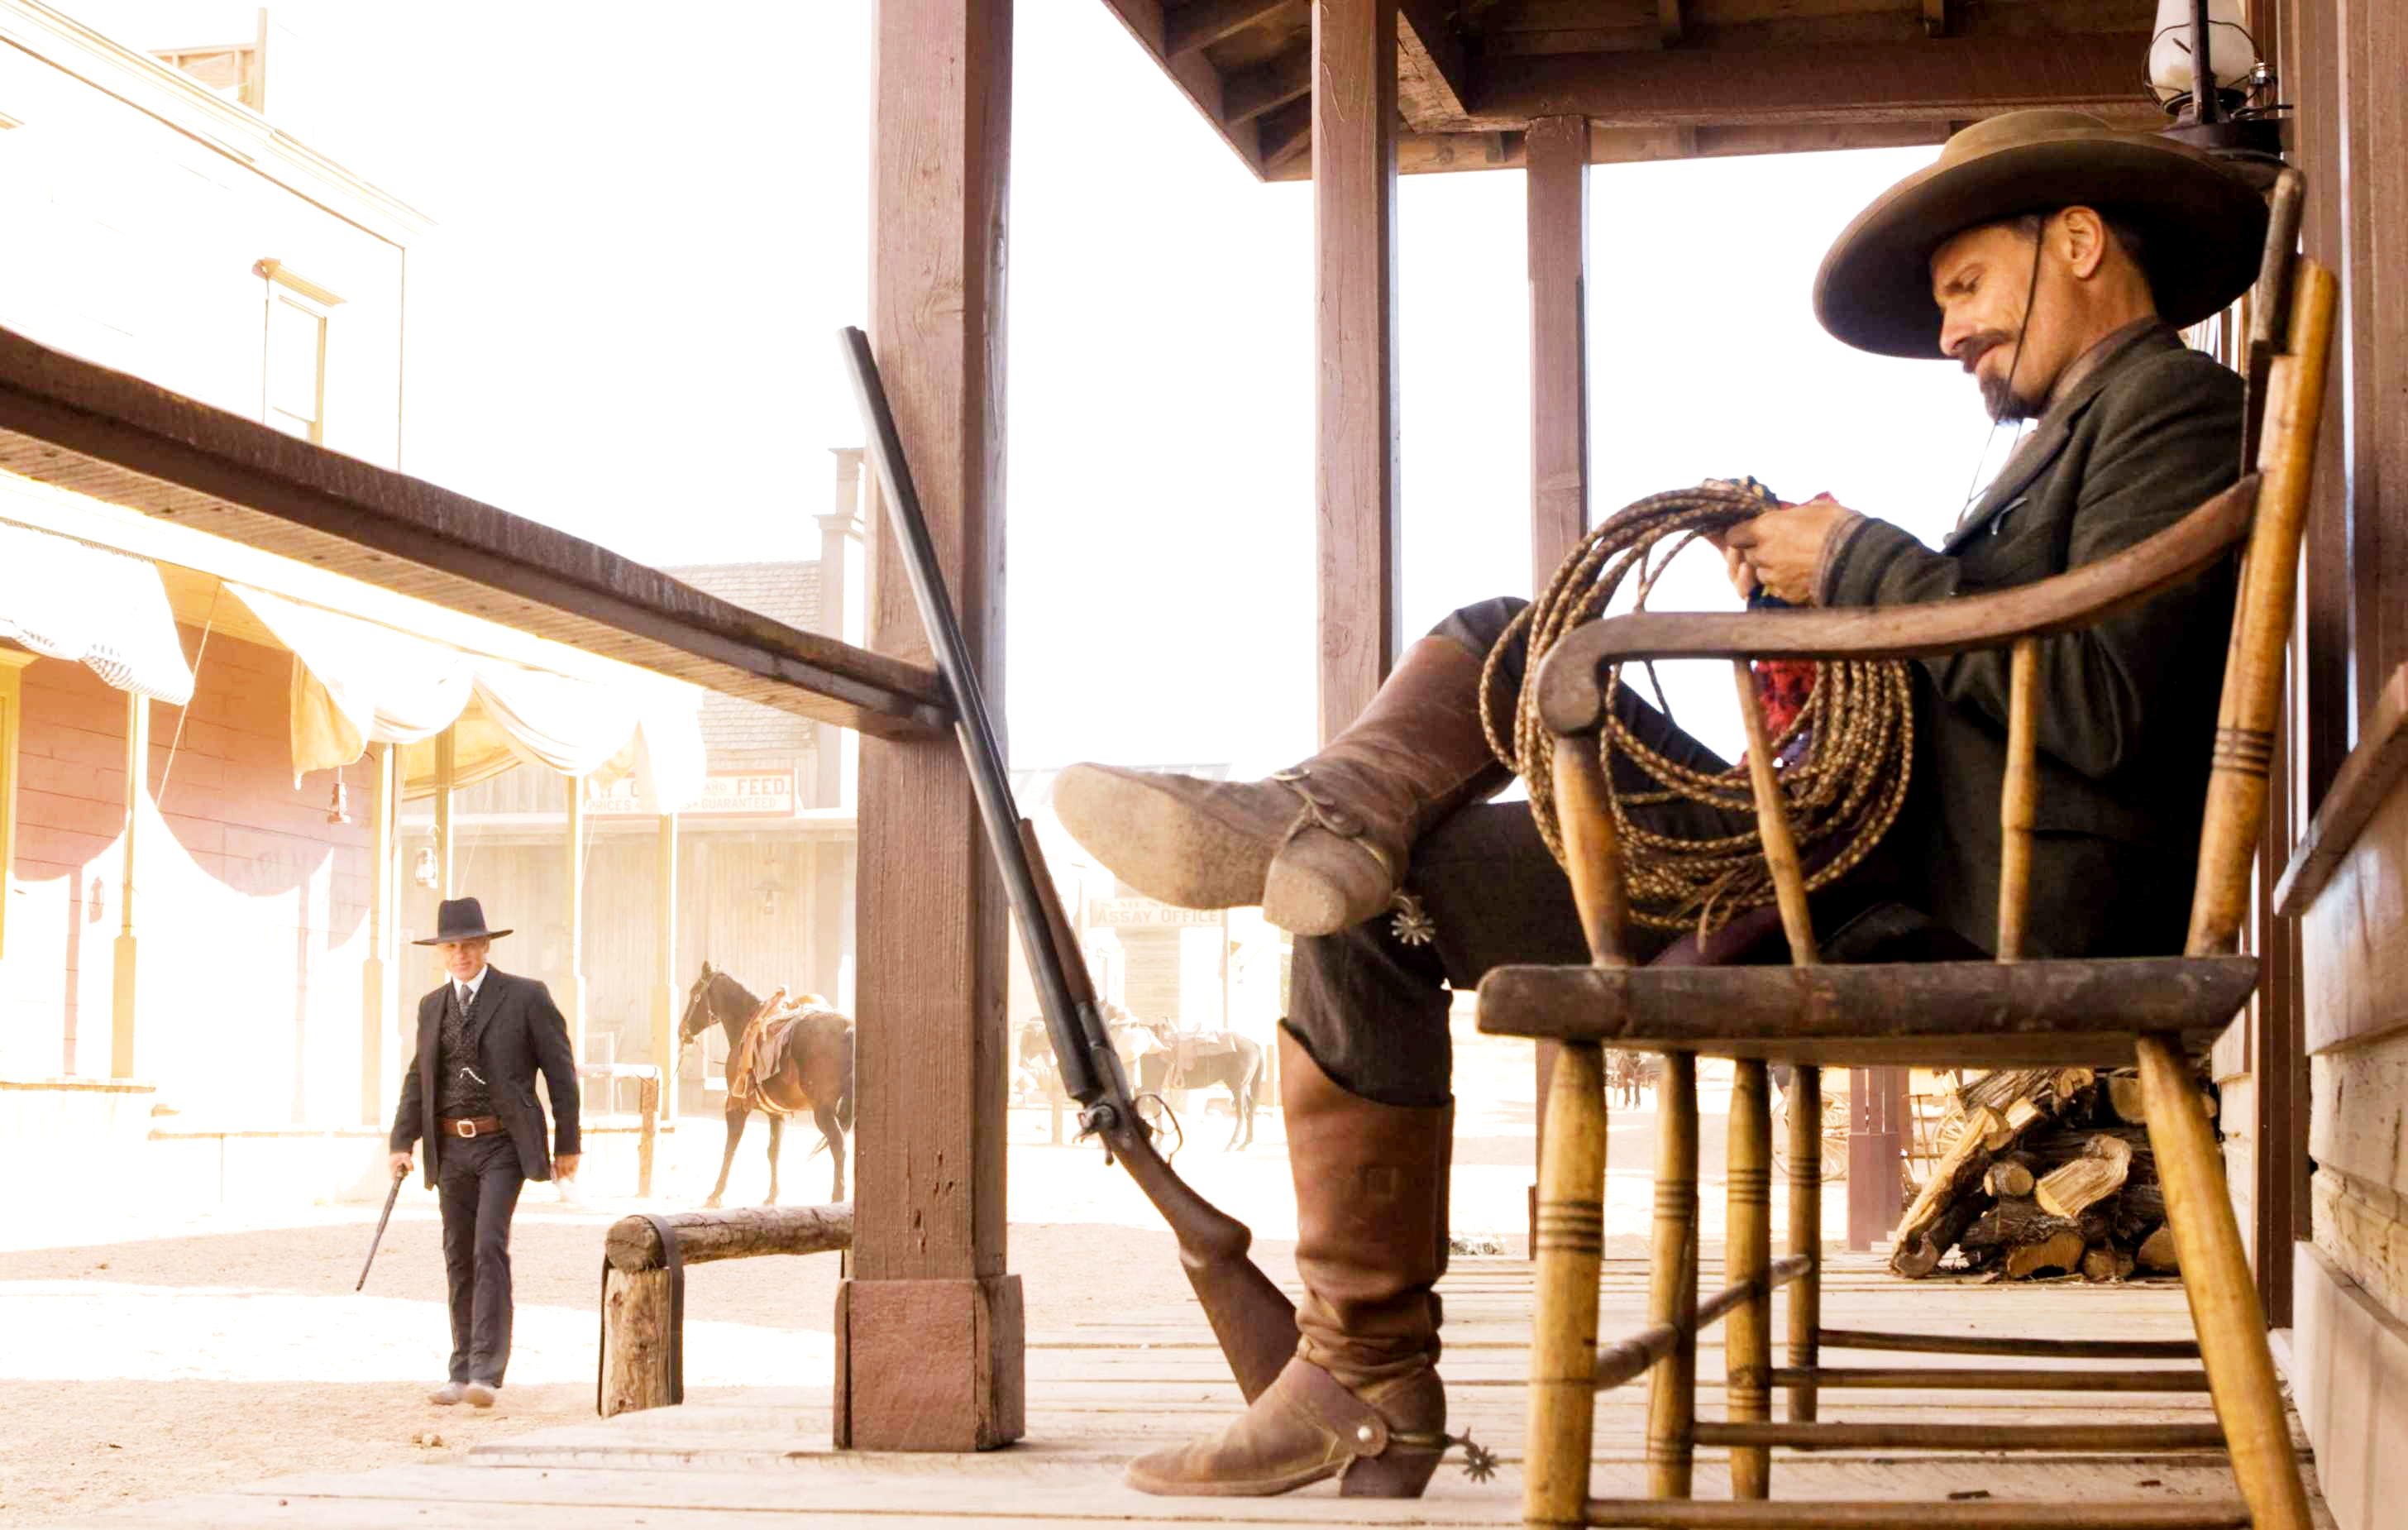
2008, 1181
2011, 1223
2157, 1253
2062, 1253
2098, 1173
635, 1328
1958, 1173
2140, 1209
633, 1244
2105, 1262
2124, 1097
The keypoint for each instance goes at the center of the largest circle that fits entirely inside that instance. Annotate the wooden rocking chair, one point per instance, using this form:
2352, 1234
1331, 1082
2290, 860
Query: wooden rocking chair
2009, 1012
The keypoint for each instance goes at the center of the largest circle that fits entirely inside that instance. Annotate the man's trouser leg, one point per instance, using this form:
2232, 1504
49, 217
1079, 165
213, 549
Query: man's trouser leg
479, 1180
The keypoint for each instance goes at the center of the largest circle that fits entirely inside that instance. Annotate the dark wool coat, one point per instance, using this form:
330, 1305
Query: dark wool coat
2128, 708
515, 1031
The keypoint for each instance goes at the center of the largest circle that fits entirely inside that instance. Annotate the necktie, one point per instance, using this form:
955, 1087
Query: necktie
467, 1000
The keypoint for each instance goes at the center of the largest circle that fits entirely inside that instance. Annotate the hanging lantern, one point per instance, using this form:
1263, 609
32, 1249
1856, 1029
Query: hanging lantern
2233, 114
424, 871
339, 805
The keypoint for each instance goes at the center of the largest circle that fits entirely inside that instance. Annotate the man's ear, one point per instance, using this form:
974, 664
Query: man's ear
2082, 240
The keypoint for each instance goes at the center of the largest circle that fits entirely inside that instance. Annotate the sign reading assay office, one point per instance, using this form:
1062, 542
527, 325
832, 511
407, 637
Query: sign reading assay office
1146, 914
725, 793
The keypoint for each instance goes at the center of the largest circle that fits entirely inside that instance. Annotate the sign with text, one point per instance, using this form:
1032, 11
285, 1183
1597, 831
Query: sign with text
725, 793
1146, 914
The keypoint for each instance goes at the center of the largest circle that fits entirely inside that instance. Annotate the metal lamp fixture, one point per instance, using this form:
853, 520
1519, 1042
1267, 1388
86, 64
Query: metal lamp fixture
424, 871
2225, 108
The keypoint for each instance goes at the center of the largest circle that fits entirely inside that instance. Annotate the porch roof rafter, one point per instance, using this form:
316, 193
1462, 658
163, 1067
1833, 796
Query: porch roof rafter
1654, 80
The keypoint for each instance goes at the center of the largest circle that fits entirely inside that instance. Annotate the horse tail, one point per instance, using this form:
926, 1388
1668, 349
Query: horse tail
844, 1081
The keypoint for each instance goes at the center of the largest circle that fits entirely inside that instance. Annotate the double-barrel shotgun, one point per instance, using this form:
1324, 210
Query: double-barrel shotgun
1254, 1324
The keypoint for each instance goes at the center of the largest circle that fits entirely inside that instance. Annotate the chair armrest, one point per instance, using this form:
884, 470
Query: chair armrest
1571, 696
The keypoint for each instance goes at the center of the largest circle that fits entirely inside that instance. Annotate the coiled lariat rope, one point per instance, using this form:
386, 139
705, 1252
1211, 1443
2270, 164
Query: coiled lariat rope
1844, 759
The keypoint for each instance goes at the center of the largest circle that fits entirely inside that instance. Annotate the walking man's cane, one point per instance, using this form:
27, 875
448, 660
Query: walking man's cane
392, 1196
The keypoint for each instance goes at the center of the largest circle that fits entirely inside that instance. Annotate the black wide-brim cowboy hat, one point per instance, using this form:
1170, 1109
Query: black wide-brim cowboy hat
2202, 224
460, 919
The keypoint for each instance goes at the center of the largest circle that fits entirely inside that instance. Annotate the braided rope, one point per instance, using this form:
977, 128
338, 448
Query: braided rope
1845, 757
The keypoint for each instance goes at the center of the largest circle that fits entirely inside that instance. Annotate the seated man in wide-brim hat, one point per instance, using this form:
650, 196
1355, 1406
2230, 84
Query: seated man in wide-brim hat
2053, 259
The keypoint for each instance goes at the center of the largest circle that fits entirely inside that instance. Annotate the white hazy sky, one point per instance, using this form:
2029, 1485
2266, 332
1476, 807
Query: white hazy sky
650, 226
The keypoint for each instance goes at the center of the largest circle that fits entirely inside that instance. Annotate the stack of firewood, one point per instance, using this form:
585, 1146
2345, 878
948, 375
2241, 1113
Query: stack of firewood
2050, 1175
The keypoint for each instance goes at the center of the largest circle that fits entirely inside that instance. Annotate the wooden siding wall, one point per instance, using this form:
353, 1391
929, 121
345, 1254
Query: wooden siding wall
2342, 62
724, 916
252, 907
132, 243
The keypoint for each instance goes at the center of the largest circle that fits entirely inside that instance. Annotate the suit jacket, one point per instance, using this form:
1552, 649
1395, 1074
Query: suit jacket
2128, 708
515, 1031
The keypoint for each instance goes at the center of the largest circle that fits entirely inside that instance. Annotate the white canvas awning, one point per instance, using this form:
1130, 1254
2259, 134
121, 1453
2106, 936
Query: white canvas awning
71, 600
357, 682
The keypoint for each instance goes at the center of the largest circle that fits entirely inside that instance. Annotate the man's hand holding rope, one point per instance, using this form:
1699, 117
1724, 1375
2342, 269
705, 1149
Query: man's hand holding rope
1781, 550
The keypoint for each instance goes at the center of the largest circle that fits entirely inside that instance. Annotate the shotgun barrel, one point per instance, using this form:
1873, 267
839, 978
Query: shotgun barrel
1253, 1322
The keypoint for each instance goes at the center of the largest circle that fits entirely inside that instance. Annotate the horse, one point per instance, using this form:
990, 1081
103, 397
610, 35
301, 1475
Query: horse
803, 1062
1200, 1060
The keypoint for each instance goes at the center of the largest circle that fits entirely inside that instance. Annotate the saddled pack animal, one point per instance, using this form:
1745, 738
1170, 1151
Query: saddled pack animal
781, 1058
1201, 1060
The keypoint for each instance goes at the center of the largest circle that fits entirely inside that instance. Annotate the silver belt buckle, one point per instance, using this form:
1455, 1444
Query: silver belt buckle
464, 1128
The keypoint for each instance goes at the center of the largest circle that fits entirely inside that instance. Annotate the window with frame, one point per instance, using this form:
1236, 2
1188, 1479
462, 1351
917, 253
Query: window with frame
299, 320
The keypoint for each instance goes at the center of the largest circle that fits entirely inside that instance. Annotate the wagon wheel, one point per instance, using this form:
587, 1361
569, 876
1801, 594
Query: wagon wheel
1161, 1123
1835, 1136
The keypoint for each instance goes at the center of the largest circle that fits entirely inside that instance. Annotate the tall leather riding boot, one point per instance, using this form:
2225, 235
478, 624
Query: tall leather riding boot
1323, 845
1361, 1400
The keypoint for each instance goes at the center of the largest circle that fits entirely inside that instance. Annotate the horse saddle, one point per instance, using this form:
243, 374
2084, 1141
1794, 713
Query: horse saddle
1196, 1046
763, 1041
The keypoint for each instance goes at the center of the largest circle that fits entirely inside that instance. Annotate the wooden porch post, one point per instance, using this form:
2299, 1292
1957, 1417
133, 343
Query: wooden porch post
447, 769
840, 531
1556, 188
128, 953
12, 697
383, 799
574, 998
664, 990
1355, 308
928, 1326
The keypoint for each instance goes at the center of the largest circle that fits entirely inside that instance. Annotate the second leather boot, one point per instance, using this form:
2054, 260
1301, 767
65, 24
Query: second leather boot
1321, 845
1361, 1400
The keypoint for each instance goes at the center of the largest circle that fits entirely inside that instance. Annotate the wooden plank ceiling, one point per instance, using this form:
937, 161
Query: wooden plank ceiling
1658, 78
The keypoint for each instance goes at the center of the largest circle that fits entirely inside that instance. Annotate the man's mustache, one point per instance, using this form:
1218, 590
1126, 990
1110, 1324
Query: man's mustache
1970, 349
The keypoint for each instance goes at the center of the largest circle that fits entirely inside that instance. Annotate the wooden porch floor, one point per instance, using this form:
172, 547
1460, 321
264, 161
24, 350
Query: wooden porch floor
1105, 1392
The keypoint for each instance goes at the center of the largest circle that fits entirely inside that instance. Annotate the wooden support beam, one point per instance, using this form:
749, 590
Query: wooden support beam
376, 1004
118, 439
929, 1329
1251, 93
1433, 78
1199, 23
665, 977
447, 773
1874, 82
13, 667
572, 996
1558, 255
1557, 225
128, 950
1354, 302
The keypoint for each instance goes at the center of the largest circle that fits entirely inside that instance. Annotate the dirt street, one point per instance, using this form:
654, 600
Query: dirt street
157, 1354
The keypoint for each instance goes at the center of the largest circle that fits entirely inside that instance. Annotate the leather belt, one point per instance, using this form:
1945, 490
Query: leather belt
470, 1126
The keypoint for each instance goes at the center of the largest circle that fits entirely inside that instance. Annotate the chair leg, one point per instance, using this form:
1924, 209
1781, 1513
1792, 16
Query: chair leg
1672, 1279
1570, 1249
2222, 1292
1747, 1333
1806, 1235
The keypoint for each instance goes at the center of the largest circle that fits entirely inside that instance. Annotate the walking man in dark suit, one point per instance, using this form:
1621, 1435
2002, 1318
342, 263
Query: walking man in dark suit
481, 1039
